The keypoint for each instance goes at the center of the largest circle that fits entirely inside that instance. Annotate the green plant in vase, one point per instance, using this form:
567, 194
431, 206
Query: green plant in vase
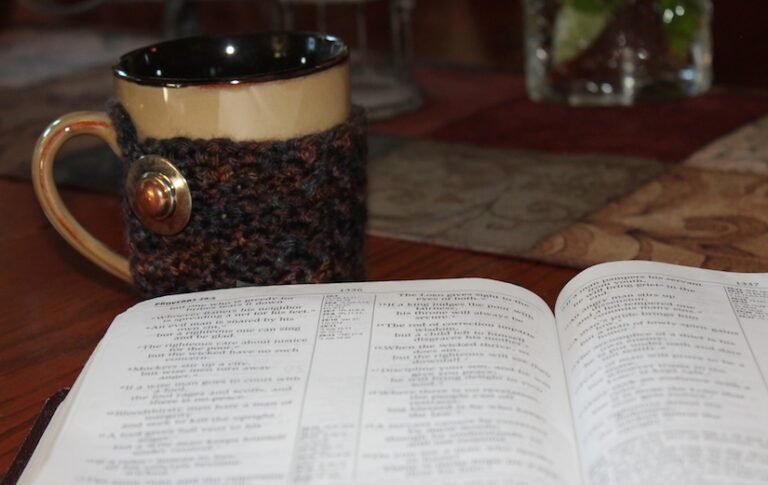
617, 51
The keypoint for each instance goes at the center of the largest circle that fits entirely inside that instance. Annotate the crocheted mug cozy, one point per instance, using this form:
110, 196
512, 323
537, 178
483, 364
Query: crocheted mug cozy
265, 213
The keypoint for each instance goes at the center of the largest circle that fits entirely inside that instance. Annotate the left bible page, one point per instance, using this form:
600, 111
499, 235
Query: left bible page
455, 381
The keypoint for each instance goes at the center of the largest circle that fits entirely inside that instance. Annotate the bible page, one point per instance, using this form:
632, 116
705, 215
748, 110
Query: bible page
666, 366
456, 381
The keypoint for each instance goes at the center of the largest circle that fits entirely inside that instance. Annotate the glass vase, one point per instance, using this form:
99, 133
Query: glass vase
617, 52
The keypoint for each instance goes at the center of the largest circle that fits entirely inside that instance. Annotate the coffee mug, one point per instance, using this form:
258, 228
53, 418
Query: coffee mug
244, 162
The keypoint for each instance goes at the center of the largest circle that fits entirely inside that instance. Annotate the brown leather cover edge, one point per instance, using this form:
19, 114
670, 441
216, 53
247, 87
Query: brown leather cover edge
33, 438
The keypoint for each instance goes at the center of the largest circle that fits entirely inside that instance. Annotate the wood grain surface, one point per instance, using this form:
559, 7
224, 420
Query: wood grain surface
55, 305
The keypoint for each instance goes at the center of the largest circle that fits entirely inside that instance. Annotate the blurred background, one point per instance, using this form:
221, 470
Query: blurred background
485, 33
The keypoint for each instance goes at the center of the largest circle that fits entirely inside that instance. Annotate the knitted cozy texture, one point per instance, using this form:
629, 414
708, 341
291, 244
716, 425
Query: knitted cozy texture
266, 213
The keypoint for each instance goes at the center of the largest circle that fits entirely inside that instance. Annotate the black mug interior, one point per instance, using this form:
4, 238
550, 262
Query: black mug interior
232, 59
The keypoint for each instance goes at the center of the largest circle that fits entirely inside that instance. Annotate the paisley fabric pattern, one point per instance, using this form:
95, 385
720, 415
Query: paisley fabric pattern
686, 216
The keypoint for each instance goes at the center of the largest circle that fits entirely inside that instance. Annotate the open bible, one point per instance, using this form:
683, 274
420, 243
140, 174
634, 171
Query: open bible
646, 373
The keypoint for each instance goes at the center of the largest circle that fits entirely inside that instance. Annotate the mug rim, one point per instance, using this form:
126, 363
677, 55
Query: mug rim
338, 53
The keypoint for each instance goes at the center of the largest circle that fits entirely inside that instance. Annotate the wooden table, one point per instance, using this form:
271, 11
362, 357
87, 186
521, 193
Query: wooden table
55, 305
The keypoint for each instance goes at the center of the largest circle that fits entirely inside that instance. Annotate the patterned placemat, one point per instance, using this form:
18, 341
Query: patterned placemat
487, 199
31, 56
745, 150
688, 216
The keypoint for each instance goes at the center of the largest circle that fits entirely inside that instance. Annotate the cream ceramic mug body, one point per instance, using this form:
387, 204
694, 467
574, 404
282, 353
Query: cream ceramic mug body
247, 90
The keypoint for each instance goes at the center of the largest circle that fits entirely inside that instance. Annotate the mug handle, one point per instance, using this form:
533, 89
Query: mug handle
50, 141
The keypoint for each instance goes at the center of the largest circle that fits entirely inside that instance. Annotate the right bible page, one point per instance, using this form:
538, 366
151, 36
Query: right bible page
666, 367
